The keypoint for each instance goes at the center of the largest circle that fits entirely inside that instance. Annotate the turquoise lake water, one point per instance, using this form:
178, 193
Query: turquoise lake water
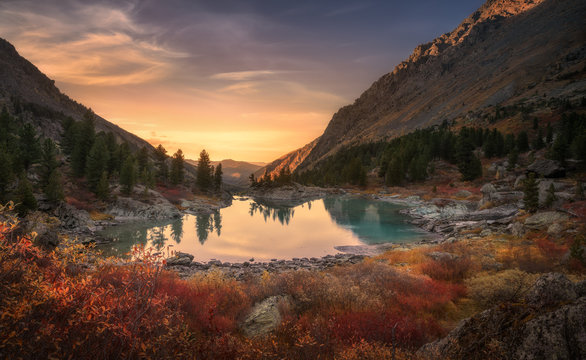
250, 229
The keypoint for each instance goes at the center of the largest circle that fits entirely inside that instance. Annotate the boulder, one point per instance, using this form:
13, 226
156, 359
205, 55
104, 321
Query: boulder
551, 289
544, 219
263, 318
72, 218
128, 208
180, 258
547, 168
441, 256
551, 325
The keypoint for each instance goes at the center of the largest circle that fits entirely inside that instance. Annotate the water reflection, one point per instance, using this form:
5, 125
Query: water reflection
266, 230
274, 212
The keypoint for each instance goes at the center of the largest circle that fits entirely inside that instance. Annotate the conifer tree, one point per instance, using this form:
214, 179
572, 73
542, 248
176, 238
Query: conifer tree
53, 190
469, 165
103, 187
252, 180
177, 168
549, 134
531, 194
97, 163
218, 177
128, 175
48, 160
394, 175
29, 149
538, 142
522, 142
24, 196
204, 171
6, 174
579, 190
84, 141
160, 154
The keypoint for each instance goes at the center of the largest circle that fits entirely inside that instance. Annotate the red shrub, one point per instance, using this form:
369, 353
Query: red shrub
454, 270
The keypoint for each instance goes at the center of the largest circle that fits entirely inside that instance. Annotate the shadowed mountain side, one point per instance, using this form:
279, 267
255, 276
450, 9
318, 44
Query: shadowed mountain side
292, 160
507, 51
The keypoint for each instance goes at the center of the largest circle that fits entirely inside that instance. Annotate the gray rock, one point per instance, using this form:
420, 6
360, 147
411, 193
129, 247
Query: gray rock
463, 194
263, 318
516, 229
72, 218
544, 219
519, 181
160, 209
495, 213
551, 289
180, 258
442, 256
547, 168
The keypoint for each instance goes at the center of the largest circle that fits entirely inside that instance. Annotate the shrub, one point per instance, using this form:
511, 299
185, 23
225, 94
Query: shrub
506, 286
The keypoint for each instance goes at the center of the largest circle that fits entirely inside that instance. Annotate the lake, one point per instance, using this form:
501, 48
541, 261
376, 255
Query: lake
263, 231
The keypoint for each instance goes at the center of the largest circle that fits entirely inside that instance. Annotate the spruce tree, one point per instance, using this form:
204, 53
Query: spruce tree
48, 160
128, 175
97, 163
103, 187
84, 142
29, 149
24, 196
579, 191
538, 142
177, 168
394, 175
531, 194
469, 165
6, 174
218, 177
522, 142
53, 190
204, 171
160, 154
549, 134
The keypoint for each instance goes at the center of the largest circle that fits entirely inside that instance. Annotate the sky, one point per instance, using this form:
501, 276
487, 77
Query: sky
246, 80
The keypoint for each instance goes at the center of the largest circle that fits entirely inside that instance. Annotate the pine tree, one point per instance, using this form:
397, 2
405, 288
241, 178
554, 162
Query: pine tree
177, 168
218, 177
559, 149
252, 180
469, 165
84, 142
128, 175
204, 171
551, 198
549, 134
24, 196
103, 187
538, 142
53, 190
97, 163
48, 160
579, 191
6, 174
29, 149
394, 175
531, 194
513, 158
160, 154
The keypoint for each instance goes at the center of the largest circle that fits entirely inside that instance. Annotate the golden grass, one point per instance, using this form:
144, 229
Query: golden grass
100, 216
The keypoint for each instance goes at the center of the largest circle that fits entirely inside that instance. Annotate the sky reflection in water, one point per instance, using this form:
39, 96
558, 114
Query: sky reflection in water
250, 229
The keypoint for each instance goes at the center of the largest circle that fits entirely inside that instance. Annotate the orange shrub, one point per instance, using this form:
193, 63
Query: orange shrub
454, 270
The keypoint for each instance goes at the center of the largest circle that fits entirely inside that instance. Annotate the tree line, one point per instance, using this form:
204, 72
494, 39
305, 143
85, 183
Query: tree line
409, 158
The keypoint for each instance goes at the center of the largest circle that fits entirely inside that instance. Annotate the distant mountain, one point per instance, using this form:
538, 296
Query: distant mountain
522, 52
28, 92
234, 172
291, 160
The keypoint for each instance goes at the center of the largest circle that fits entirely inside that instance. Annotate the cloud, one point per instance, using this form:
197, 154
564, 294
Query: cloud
348, 9
86, 44
245, 75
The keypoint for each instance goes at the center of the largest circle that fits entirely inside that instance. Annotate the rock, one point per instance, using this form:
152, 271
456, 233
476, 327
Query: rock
581, 288
263, 318
494, 213
555, 229
516, 229
547, 168
160, 209
544, 219
551, 289
72, 218
551, 326
487, 189
463, 194
180, 258
520, 181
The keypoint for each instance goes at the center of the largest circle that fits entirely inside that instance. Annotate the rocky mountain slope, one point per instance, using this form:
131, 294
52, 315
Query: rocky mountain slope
507, 52
291, 160
234, 172
25, 89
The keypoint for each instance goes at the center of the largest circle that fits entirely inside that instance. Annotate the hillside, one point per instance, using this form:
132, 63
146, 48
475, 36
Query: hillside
291, 160
508, 52
24, 89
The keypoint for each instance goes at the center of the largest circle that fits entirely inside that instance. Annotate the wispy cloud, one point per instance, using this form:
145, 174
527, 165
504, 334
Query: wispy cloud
245, 75
348, 9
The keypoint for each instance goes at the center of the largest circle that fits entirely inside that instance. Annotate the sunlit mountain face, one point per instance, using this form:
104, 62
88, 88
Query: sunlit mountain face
248, 80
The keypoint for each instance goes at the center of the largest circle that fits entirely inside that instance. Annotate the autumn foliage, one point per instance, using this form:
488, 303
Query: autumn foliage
68, 303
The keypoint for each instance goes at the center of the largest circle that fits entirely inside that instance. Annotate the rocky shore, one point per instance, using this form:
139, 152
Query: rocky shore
184, 265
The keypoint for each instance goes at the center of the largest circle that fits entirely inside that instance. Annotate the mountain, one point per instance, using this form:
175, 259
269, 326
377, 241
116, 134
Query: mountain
291, 160
25, 90
234, 172
508, 52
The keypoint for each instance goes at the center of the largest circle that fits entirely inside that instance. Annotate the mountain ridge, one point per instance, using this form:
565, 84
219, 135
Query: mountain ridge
505, 51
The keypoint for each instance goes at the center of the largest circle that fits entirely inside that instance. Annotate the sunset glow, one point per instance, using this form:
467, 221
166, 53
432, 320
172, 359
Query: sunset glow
245, 81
